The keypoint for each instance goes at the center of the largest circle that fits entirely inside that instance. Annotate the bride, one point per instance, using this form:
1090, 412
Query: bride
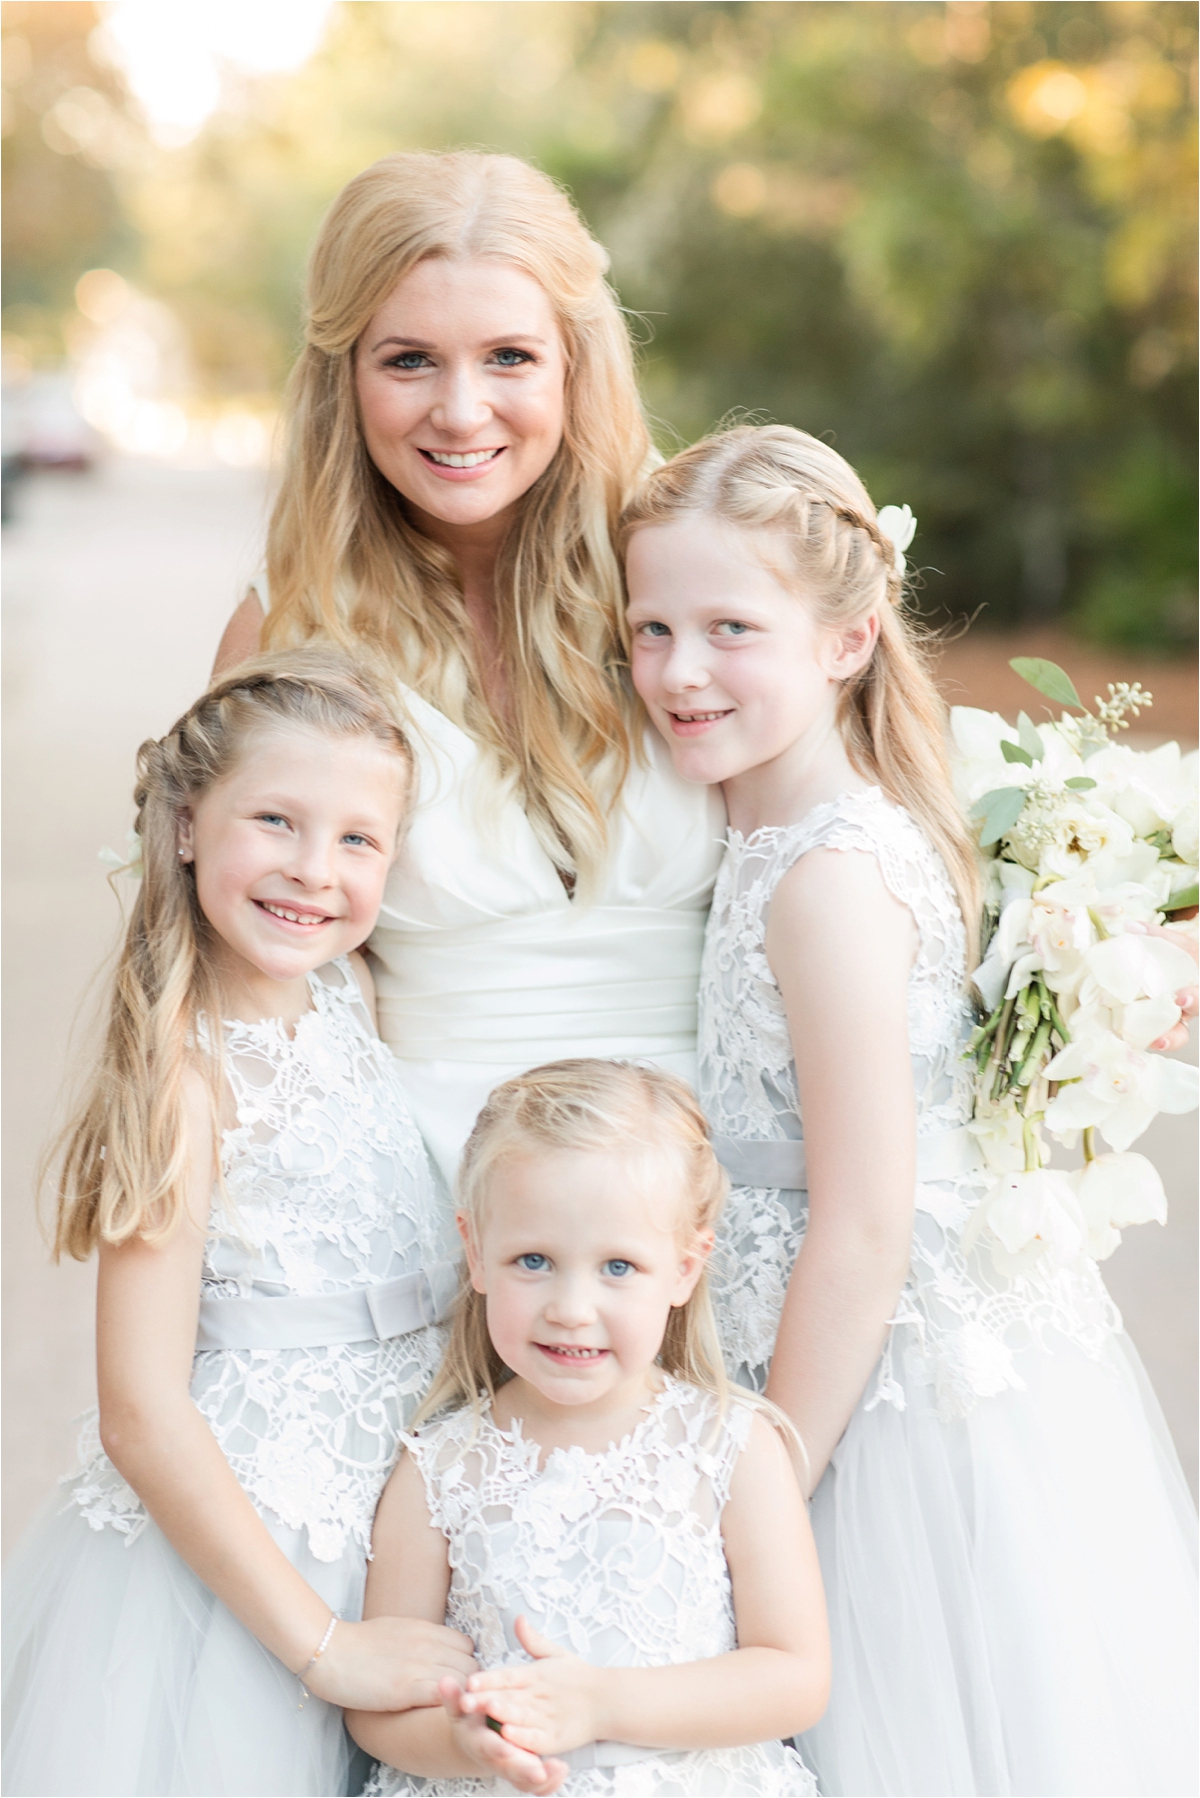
462, 429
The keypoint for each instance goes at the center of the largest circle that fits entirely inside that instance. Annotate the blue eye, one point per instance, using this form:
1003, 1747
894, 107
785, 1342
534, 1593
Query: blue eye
733, 626
271, 818
409, 359
653, 629
618, 1269
512, 358
533, 1264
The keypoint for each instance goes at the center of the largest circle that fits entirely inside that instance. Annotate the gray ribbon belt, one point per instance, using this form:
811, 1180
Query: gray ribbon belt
612, 1754
941, 1155
369, 1313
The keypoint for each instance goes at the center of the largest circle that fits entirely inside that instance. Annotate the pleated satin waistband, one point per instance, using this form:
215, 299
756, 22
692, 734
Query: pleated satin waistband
616, 981
781, 1165
367, 1313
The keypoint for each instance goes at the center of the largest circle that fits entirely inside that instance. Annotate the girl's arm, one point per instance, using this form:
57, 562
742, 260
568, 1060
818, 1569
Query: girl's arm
410, 1572
841, 949
774, 1684
147, 1307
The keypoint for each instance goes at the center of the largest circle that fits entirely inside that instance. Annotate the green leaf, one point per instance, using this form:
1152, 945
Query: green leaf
1012, 752
1079, 783
1048, 678
999, 811
1027, 732
1185, 900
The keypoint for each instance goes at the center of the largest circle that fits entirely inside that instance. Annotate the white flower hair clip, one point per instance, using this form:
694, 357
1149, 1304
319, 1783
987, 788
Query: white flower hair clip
899, 527
129, 864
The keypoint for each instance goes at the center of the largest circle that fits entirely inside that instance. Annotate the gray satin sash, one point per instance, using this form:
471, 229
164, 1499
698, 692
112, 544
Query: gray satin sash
941, 1155
369, 1313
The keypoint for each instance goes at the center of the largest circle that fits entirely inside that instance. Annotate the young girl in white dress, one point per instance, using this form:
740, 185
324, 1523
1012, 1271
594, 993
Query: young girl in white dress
1004, 1530
273, 1257
622, 1537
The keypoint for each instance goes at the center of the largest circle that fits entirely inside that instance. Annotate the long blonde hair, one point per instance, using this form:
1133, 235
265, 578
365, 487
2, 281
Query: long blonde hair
598, 1107
123, 1158
344, 558
891, 715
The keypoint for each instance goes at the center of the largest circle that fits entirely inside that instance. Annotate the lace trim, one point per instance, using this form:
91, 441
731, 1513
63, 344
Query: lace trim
966, 1326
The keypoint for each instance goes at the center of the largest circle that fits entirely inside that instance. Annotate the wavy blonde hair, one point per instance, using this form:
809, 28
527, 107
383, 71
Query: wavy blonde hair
343, 557
891, 715
122, 1160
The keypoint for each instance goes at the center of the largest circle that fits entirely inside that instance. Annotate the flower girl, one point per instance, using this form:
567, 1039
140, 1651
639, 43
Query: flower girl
272, 1263
621, 1536
1003, 1527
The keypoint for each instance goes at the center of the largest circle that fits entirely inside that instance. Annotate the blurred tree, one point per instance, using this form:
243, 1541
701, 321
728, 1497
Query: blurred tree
959, 238
66, 128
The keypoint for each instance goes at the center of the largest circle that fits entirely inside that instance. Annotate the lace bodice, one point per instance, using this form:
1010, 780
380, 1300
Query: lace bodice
960, 1316
328, 1189
617, 1556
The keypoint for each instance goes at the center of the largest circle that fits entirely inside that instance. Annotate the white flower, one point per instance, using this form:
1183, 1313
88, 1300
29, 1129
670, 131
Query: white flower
1031, 1216
131, 862
1060, 922
898, 524
1112, 1086
1116, 1191
1185, 832
1000, 1139
1129, 967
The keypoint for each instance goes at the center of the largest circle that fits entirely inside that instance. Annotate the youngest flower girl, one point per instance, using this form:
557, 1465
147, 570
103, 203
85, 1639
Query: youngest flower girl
622, 1537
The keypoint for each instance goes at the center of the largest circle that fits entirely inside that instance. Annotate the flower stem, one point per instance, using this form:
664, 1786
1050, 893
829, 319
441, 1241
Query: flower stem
1089, 1144
1033, 1159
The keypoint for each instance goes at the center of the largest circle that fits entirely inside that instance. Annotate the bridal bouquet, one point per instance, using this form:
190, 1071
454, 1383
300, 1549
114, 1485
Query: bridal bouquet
1088, 842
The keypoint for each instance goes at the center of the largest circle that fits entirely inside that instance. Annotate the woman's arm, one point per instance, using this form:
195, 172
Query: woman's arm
841, 948
243, 635
774, 1684
147, 1307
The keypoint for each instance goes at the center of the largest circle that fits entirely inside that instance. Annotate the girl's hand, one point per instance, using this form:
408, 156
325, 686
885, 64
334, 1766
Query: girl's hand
492, 1751
547, 1708
389, 1664
1188, 997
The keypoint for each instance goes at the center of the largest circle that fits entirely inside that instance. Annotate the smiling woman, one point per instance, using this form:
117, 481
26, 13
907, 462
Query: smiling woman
463, 429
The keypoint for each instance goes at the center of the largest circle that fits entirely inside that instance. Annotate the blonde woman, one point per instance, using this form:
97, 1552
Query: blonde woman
462, 431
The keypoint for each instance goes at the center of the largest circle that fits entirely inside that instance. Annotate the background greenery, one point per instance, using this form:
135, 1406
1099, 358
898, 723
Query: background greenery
958, 239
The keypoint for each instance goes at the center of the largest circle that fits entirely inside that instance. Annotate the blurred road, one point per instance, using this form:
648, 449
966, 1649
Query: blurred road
117, 585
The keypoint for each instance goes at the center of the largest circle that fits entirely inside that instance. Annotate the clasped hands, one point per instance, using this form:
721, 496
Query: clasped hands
512, 1721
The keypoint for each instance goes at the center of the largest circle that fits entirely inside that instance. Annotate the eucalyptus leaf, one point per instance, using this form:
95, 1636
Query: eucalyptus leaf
1048, 678
1027, 732
1185, 900
1012, 752
1079, 783
999, 811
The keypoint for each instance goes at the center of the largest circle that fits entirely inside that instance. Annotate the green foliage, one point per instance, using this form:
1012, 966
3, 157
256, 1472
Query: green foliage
959, 240
1046, 677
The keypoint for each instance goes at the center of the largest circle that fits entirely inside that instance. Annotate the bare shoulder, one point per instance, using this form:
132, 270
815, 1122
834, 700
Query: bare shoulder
834, 906
242, 637
765, 1459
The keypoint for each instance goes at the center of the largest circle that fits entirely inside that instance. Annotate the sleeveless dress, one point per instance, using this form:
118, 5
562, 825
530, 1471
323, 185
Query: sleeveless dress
617, 1556
1006, 1538
122, 1673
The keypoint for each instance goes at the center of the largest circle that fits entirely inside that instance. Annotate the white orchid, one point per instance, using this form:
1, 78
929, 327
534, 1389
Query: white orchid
1114, 1192
1147, 787
1185, 831
900, 527
1030, 1216
129, 864
1111, 1086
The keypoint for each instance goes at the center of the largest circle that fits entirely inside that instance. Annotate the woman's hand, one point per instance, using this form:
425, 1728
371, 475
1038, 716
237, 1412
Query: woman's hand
548, 1707
389, 1664
1188, 997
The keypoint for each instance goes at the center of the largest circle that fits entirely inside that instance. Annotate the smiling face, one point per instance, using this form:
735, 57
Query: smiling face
731, 663
291, 853
581, 1262
461, 388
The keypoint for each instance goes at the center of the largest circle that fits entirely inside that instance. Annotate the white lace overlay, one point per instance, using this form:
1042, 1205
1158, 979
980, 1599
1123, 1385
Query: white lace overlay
617, 1556
330, 1189
964, 1321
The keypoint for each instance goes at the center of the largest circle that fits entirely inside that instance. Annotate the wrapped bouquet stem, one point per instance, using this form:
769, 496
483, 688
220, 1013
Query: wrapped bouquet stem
1091, 846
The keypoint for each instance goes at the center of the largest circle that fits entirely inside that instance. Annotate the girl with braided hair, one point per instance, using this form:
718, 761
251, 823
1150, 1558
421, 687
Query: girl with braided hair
1004, 1531
273, 1263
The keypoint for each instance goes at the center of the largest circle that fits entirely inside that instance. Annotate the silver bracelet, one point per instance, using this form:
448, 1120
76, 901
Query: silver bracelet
322, 1645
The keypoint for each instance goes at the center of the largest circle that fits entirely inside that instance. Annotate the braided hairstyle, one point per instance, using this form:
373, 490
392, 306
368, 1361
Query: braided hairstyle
122, 1161
891, 715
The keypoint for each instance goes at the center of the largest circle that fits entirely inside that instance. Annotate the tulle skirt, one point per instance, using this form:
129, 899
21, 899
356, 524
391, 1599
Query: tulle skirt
1012, 1594
123, 1674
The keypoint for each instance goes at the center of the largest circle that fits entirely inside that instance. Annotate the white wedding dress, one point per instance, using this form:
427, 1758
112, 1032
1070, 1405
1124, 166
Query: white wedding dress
1006, 1538
483, 965
616, 1556
122, 1673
